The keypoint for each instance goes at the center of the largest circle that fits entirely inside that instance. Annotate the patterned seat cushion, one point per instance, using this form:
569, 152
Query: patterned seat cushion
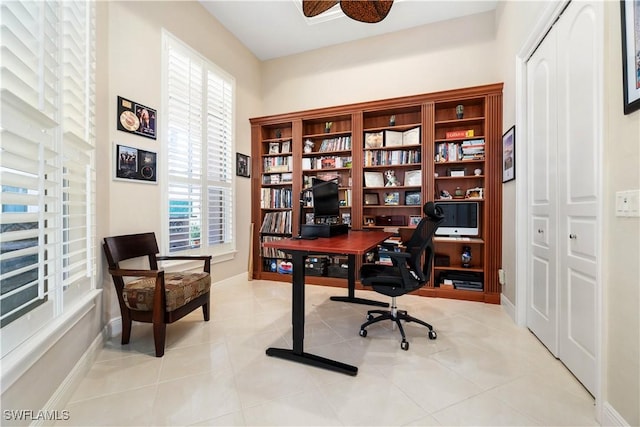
180, 288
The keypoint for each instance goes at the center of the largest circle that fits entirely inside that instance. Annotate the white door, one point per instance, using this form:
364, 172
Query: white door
542, 310
579, 158
564, 119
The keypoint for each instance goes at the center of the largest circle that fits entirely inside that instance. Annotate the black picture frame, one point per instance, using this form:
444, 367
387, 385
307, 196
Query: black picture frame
136, 118
412, 198
134, 164
509, 155
371, 199
630, 59
243, 165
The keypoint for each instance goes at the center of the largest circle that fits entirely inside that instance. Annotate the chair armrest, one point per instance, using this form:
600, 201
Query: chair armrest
123, 272
205, 258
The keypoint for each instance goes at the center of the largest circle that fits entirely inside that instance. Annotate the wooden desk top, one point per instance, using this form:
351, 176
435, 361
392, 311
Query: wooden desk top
352, 243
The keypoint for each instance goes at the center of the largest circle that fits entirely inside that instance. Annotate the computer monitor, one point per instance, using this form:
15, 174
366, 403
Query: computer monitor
460, 219
326, 201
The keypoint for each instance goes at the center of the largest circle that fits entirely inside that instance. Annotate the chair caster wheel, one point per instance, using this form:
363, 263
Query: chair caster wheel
404, 345
432, 335
363, 333
369, 316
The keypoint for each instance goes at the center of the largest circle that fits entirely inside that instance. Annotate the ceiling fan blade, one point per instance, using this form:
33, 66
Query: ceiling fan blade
370, 11
316, 7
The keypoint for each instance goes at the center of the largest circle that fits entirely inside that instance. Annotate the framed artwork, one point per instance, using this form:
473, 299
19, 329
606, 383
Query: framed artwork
414, 220
369, 220
412, 198
371, 199
413, 178
373, 139
509, 155
392, 198
630, 14
133, 164
373, 179
243, 165
136, 118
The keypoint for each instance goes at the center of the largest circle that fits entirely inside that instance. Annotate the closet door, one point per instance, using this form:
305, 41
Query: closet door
565, 122
542, 300
579, 159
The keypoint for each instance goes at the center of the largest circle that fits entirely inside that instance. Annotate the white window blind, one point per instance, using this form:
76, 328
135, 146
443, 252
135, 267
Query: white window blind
46, 162
200, 106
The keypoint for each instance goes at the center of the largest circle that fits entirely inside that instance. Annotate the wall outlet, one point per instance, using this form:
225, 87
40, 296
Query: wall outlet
501, 276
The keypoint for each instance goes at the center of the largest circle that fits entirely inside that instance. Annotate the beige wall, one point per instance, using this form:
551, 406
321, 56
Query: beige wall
622, 235
446, 55
134, 72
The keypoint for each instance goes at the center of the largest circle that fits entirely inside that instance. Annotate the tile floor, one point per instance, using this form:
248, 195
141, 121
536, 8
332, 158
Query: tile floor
482, 369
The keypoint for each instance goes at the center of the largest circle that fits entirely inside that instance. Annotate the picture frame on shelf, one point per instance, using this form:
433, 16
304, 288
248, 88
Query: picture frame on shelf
412, 198
369, 220
274, 148
243, 165
373, 179
286, 147
373, 139
392, 198
413, 178
630, 55
475, 193
414, 220
509, 155
371, 199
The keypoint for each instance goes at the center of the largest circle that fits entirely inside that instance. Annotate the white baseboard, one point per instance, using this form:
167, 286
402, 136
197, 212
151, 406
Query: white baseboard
63, 393
508, 307
611, 417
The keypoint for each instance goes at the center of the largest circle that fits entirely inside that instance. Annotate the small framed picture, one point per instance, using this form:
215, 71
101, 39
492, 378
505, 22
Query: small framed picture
412, 198
274, 148
392, 198
414, 220
369, 220
373, 179
630, 14
373, 139
413, 178
133, 164
509, 155
243, 165
286, 147
371, 199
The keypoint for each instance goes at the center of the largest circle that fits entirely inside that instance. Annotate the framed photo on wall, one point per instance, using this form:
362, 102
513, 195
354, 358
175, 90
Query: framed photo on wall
630, 14
133, 164
509, 155
136, 118
243, 165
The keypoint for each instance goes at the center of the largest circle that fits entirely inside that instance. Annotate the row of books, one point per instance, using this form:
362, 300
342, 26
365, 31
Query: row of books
277, 178
271, 252
276, 198
393, 157
276, 223
336, 144
455, 151
326, 162
277, 164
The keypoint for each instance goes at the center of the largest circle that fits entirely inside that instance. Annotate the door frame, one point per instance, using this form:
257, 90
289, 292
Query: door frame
548, 17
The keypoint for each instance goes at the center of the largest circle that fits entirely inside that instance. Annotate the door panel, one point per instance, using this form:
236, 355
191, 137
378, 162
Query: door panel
579, 124
542, 133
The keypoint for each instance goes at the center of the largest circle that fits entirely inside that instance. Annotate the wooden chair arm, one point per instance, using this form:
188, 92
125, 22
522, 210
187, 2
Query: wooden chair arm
205, 258
123, 272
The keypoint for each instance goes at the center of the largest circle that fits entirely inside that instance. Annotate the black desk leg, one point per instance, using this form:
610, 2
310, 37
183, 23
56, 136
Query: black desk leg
351, 275
297, 354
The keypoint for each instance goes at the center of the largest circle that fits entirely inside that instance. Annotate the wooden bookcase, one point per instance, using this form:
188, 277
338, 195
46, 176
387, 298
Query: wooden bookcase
405, 136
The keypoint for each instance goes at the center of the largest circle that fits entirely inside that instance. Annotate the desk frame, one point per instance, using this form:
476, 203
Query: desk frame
353, 244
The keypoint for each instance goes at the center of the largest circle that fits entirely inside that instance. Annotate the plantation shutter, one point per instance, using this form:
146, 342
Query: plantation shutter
46, 162
199, 152
30, 163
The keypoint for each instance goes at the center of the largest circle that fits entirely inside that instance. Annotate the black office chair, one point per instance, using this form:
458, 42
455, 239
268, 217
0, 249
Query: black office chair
410, 270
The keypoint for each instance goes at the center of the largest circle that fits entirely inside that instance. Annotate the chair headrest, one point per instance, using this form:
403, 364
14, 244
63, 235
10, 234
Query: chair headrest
433, 211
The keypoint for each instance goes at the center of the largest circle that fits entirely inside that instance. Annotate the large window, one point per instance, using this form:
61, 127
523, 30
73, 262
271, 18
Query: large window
47, 254
199, 103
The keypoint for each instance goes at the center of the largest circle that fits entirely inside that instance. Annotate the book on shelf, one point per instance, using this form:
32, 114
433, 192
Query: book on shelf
459, 134
276, 223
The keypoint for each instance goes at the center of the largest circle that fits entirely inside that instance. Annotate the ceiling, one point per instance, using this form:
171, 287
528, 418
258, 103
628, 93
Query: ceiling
277, 28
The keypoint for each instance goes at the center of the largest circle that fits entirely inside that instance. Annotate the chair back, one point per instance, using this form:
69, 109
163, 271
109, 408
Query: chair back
119, 248
420, 245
